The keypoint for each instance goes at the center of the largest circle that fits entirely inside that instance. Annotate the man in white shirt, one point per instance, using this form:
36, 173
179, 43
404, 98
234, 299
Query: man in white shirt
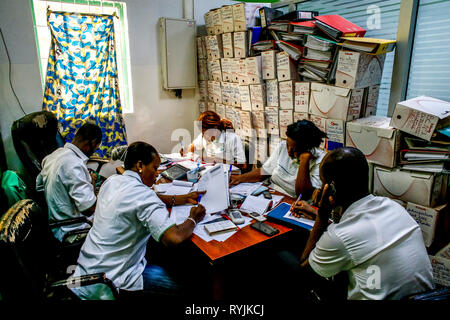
66, 181
294, 166
376, 242
128, 213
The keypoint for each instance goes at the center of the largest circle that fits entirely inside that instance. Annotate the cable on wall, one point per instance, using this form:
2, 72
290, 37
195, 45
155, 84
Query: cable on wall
10, 82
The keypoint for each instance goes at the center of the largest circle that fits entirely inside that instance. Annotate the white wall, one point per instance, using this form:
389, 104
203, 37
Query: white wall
156, 112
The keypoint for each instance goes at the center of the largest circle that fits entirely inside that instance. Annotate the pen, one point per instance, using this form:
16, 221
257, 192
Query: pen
298, 199
229, 172
199, 198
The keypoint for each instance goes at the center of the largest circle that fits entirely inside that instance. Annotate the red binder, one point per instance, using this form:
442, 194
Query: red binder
342, 27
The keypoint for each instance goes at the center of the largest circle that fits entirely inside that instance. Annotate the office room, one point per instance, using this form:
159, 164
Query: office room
207, 151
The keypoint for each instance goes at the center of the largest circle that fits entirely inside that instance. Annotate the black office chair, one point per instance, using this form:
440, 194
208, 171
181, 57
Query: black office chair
29, 265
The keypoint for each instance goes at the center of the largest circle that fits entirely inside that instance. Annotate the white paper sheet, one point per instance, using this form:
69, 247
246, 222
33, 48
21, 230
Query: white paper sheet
302, 220
181, 213
245, 188
215, 183
255, 204
276, 199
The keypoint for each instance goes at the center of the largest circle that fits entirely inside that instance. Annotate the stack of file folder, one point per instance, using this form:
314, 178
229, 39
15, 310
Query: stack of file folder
422, 155
318, 56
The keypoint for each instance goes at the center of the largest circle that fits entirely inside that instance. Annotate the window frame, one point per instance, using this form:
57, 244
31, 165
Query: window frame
124, 64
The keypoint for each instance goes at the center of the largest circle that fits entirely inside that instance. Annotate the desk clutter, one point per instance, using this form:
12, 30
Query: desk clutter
303, 65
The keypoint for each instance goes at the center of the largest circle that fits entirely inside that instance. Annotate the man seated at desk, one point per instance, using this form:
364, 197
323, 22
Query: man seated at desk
294, 166
372, 239
129, 212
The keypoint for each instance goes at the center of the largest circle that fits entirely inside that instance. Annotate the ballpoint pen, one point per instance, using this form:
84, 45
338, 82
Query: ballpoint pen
295, 203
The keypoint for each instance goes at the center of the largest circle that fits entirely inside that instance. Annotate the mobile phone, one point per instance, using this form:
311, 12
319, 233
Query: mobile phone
265, 228
267, 195
257, 216
236, 216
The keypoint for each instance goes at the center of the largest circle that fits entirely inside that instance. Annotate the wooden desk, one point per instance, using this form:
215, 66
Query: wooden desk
244, 238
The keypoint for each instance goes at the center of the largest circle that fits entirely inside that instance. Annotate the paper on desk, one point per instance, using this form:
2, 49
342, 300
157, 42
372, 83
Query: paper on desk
201, 232
177, 187
245, 188
175, 157
215, 183
302, 220
181, 213
255, 204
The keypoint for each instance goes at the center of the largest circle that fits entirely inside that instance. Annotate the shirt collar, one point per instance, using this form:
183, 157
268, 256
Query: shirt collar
77, 151
131, 173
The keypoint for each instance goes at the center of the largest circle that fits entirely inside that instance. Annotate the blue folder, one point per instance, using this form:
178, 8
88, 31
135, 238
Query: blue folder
277, 215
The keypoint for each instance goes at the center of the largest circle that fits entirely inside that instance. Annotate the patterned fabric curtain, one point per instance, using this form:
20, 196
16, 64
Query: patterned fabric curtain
82, 78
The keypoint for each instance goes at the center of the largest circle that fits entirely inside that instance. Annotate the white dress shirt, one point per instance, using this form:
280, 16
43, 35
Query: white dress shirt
66, 182
381, 248
127, 214
283, 169
227, 146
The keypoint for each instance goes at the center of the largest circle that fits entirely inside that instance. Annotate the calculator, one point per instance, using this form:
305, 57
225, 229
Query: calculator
175, 172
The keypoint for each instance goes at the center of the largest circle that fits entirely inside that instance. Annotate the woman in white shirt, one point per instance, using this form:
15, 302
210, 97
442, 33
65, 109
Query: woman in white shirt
128, 212
218, 142
294, 166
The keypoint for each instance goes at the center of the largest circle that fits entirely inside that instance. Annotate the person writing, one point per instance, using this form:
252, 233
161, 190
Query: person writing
294, 166
65, 179
128, 213
372, 239
217, 142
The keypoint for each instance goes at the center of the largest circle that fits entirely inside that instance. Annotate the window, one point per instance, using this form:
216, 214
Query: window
43, 37
429, 72
379, 18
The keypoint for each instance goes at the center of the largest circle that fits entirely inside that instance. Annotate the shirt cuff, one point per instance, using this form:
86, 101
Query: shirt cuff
87, 204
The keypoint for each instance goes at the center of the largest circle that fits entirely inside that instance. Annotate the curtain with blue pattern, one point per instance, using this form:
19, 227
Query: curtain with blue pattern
82, 77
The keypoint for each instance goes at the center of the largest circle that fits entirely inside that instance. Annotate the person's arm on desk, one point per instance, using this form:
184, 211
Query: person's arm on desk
320, 225
252, 176
190, 198
178, 233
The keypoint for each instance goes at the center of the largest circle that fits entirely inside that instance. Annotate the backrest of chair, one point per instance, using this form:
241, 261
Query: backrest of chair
23, 251
35, 136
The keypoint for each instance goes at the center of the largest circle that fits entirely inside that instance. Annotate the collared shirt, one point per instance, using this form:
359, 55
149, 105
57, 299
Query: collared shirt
227, 146
283, 169
127, 214
381, 248
66, 182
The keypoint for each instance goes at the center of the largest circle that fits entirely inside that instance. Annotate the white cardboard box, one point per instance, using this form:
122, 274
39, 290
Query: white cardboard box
335, 130
269, 64
211, 106
246, 122
226, 64
246, 103
258, 96
259, 123
272, 93
210, 87
202, 106
217, 92
239, 18
201, 48
375, 138
235, 70
335, 103
422, 188
214, 70
242, 73
221, 110
203, 69
217, 21
240, 44
426, 218
227, 42
214, 47
286, 69
286, 118
236, 95
286, 92
420, 116
226, 13
441, 270
302, 90
254, 69
203, 89
209, 23
227, 92
272, 120
358, 70
298, 116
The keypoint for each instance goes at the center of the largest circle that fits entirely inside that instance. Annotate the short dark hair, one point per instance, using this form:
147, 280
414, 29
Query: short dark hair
307, 133
349, 170
89, 132
139, 151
